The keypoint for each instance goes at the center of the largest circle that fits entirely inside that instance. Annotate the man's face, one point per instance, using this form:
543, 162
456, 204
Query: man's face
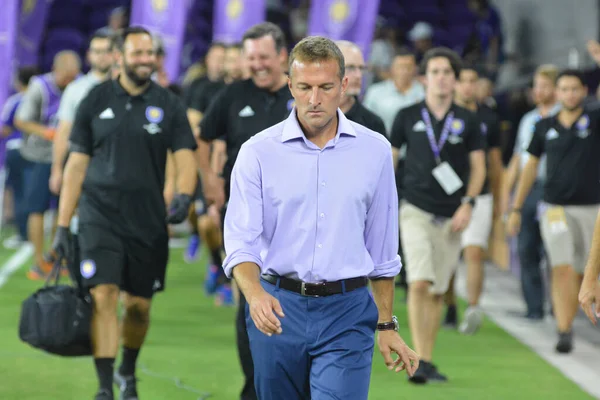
543, 90
138, 60
317, 90
233, 63
66, 74
215, 59
439, 77
403, 69
263, 61
467, 85
100, 55
570, 92
355, 65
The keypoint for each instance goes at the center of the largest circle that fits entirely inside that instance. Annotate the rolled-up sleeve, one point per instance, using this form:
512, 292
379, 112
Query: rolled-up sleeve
244, 215
381, 231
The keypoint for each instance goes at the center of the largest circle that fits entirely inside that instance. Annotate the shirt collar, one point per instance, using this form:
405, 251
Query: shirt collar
292, 130
120, 91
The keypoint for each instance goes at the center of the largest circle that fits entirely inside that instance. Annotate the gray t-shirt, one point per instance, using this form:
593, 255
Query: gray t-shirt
39, 104
74, 93
384, 99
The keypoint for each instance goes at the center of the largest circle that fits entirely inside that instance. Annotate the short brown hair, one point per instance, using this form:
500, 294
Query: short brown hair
266, 29
548, 71
318, 48
444, 52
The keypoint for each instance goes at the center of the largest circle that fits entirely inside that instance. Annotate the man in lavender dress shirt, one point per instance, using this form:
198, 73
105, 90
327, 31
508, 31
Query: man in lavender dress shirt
312, 216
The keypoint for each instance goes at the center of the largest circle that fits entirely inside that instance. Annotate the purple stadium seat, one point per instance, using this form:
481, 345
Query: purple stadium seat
66, 14
98, 18
458, 14
433, 15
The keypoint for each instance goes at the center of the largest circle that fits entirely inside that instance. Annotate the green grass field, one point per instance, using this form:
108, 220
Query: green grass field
190, 354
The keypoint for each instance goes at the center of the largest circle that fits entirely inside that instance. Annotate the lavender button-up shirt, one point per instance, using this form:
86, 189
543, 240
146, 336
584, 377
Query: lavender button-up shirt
314, 214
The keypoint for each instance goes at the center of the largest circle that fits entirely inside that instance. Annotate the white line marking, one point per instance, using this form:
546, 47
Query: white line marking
15, 262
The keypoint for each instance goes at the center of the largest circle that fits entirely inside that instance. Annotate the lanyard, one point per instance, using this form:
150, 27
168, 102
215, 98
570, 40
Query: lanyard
437, 147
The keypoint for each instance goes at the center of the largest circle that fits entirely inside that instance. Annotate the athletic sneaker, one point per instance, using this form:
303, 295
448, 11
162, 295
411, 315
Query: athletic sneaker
36, 273
13, 242
104, 395
224, 296
211, 282
565, 342
127, 386
472, 320
192, 252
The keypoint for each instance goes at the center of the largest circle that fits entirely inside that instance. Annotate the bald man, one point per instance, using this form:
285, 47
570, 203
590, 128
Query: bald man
350, 106
37, 118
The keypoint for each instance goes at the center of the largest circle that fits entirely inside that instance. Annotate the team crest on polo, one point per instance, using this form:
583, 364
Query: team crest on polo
87, 268
457, 127
154, 114
582, 127
483, 129
290, 104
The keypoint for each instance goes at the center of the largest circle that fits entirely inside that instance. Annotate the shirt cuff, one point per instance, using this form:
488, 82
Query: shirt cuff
388, 269
241, 257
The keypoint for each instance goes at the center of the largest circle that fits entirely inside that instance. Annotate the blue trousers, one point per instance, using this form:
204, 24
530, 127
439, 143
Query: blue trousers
325, 350
531, 252
18, 174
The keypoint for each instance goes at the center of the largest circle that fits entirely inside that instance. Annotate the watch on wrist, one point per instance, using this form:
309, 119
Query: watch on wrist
389, 326
470, 200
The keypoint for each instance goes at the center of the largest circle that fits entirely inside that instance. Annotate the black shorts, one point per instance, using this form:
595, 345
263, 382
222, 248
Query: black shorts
136, 267
200, 205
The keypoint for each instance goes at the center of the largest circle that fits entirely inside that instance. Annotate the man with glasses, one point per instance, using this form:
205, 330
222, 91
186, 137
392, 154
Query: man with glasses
350, 106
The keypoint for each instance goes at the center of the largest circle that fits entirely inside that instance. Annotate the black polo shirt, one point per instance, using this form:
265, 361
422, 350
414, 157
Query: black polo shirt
361, 115
420, 186
572, 158
127, 138
490, 128
240, 111
205, 94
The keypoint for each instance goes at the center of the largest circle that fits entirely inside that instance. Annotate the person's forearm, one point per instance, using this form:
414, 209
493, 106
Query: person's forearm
247, 278
526, 181
495, 173
203, 159
60, 146
186, 172
32, 128
512, 173
70, 192
476, 176
383, 294
592, 269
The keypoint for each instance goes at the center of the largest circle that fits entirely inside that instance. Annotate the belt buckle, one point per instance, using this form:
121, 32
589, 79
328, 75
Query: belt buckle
303, 289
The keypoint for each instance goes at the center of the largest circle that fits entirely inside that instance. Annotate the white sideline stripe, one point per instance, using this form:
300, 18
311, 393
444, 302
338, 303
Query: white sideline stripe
15, 262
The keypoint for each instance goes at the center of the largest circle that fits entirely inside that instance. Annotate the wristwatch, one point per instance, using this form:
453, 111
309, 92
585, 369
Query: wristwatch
469, 199
389, 326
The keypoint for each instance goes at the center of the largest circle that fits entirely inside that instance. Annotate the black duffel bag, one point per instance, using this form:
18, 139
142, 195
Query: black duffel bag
57, 317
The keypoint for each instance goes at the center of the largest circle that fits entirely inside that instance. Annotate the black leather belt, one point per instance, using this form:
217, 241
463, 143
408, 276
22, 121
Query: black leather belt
321, 289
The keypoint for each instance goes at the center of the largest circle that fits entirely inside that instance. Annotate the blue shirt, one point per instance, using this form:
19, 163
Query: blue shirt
314, 214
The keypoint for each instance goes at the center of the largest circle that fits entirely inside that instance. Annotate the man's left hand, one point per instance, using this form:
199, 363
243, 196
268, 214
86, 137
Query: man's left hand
390, 342
179, 209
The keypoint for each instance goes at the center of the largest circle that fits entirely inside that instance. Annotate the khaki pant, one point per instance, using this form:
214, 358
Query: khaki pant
431, 249
567, 233
478, 231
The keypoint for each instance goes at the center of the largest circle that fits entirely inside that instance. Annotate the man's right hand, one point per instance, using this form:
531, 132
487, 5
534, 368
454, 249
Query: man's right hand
214, 190
589, 298
264, 310
61, 247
